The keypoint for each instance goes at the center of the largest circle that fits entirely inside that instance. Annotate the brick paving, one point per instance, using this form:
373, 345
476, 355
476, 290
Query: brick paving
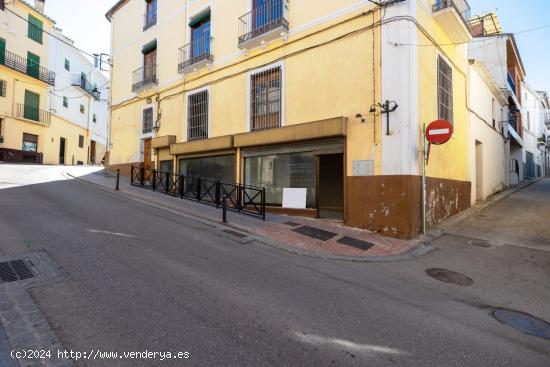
274, 228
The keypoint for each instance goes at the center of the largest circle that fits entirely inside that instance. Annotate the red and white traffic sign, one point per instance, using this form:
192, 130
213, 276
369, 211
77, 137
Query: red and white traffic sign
439, 132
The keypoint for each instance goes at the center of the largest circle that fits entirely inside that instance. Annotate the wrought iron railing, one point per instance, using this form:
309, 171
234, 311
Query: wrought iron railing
511, 83
195, 51
27, 67
86, 86
461, 6
243, 199
149, 19
144, 77
262, 19
32, 113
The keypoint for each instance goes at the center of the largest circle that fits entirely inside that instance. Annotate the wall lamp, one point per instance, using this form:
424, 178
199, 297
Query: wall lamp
387, 108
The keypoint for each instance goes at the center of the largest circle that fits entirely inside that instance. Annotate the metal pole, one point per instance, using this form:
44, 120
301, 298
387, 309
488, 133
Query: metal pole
118, 179
424, 179
224, 208
263, 203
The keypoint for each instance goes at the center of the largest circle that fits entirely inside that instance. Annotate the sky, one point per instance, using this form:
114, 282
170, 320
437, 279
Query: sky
87, 26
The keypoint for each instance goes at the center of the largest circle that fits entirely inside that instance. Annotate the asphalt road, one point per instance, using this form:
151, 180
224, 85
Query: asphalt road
139, 278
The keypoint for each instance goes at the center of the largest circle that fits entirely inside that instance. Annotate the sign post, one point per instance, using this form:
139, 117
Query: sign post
438, 132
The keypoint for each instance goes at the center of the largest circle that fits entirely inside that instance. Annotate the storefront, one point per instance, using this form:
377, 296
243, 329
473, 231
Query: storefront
218, 168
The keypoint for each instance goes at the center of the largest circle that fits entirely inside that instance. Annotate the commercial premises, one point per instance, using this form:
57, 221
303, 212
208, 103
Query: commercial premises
284, 94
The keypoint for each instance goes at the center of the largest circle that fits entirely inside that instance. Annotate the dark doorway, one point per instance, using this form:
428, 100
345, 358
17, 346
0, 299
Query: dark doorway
147, 162
330, 191
61, 150
92, 152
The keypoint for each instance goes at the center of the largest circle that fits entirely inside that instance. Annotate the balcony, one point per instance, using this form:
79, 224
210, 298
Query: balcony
22, 65
149, 19
195, 54
454, 17
263, 24
144, 77
547, 118
86, 86
34, 114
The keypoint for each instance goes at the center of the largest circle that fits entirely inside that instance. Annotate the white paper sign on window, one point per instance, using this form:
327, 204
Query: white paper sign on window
294, 198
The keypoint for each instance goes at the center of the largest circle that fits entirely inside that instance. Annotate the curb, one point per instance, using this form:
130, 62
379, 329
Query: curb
412, 253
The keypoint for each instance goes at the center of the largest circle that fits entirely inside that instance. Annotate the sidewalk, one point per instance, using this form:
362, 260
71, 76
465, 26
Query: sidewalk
302, 236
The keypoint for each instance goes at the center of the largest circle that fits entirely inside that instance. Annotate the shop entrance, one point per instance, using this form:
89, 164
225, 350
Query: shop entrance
330, 186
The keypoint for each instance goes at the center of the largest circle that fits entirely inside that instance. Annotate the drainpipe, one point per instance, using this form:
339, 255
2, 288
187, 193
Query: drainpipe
13, 98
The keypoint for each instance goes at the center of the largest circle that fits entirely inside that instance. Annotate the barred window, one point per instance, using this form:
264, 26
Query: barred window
3, 88
147, 121
444, 90
197, 116
266, 99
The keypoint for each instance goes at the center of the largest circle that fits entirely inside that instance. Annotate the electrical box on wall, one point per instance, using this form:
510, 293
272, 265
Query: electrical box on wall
363, 168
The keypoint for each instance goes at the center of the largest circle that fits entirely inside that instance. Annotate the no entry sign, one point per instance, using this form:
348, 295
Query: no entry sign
439, 132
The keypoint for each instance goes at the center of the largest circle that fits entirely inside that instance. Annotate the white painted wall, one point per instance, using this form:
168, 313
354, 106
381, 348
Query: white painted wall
533, 124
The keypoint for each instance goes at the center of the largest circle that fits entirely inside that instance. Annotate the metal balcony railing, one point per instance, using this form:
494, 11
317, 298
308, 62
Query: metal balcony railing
195, 52
149, 19
461, 6
511, 83
86, 86
27, 67
262, 19
144, 77
547, 117
27, 112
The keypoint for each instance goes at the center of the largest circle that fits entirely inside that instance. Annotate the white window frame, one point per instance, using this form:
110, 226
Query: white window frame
450, 65
147, 135
186, 109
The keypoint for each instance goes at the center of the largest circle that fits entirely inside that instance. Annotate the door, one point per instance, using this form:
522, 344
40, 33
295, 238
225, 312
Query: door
147, 163
200, 39
149, 65
330, 186
31, 108
2, 51
92, 152
33, 65
479, 171
61, 150
266, 12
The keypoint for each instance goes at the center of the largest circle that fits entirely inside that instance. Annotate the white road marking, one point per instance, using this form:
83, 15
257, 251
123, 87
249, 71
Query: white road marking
439, 132
348, 345
111, 233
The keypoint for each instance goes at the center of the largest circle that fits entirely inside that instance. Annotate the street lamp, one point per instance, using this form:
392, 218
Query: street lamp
387, 108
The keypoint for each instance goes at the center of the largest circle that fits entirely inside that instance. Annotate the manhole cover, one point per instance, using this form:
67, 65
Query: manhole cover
449, 276
480, 243
523, 322
316, 233
12, 271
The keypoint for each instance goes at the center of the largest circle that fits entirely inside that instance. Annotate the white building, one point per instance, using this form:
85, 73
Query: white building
81, 94
534, 114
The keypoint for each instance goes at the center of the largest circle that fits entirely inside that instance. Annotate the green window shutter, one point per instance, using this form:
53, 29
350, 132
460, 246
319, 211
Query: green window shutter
32, 106
2, 51
149, 47
67, 65
35, 29
65, 102
33, 65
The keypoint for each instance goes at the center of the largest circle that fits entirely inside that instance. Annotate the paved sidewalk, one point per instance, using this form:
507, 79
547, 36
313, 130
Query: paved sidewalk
336, 242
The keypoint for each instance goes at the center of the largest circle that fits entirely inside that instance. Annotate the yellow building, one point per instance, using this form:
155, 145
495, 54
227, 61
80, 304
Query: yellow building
31, 130
290, 94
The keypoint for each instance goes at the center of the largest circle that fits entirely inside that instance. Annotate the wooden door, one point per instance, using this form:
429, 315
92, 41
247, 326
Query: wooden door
149, 66
147, 163
92, 152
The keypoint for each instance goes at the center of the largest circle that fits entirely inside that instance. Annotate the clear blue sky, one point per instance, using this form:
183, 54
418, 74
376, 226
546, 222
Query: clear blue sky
86, 24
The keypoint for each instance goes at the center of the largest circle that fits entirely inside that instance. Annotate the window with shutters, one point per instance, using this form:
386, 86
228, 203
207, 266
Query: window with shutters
197, 116
80, 141
82, 108
147, 121
266, 98
94, 118
67, 65
444, 90
3, 88
65, 102
35, 28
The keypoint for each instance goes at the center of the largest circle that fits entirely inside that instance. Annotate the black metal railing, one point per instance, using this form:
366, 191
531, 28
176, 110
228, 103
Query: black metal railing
461, 6
262, 19
149, 19
144, 77
27, 67
196, 51
249, 200
86, 86
32, 113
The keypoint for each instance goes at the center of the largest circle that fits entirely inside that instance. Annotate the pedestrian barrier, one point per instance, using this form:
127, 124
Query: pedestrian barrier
244, 199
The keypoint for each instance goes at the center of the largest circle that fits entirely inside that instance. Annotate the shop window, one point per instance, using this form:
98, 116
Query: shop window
30, 142
220, 168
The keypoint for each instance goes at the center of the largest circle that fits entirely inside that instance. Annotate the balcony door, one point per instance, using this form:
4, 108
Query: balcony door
31, 108
266, 12
33, 65
200, 37
2, 51
150, 65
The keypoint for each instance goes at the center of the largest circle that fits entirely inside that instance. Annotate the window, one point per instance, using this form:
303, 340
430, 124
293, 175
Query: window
2, 51
30, 142
1, 123
494, 112
147, 121
94, 118
150, 63
65, 102
3, 88
266, 99
82, 108
217, 168
2, 5
80, 141
444, 90
150, 14
67, 65
31, 107
35, 29
197, 116
200, 37
529, 120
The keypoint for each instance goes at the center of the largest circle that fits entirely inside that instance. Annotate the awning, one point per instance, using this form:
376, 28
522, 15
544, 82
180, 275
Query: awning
149, 47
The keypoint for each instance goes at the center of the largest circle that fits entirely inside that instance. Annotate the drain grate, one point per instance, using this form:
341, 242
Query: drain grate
235, 233
292, 224
523, 322
354, 242
449, 276
15, 270
316, 233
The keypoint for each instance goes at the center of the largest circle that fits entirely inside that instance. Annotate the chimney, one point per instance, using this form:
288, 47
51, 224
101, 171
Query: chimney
39, 6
